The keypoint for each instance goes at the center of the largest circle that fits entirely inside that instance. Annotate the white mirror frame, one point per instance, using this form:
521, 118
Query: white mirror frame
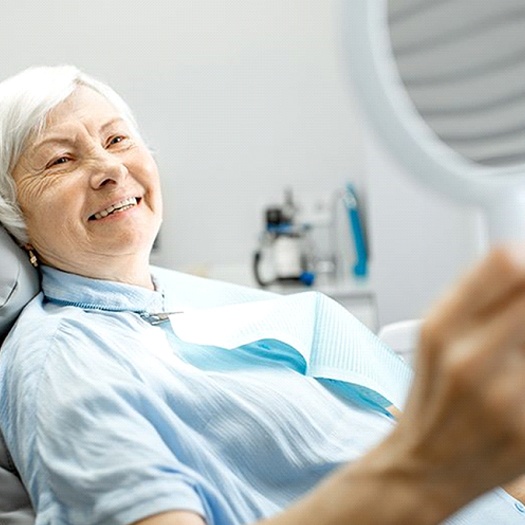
372, 69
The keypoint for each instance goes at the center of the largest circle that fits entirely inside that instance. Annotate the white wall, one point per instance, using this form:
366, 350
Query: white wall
421, 242
240, 98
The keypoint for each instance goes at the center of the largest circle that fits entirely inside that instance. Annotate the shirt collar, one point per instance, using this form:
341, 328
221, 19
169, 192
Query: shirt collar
97, 294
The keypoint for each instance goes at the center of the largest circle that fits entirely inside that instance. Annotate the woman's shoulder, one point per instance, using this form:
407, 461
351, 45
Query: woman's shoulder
30, 327
43, 330
52, 345
37, 323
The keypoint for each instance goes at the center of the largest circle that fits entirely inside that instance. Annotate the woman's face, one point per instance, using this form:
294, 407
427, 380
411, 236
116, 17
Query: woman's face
89, 191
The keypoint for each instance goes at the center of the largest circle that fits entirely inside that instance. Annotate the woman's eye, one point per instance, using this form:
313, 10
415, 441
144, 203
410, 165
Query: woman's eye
56, 162
116, 139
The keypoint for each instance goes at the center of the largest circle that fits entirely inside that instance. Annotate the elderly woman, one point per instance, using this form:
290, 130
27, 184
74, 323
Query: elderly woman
111, 417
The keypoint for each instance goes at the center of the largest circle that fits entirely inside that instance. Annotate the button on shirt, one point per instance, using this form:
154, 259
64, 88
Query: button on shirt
111, 418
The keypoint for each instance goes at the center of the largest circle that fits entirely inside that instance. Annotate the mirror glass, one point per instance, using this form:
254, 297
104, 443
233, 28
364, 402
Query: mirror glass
462, 63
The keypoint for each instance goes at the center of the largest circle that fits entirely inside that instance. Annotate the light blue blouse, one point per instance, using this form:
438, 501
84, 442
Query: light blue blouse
111, 417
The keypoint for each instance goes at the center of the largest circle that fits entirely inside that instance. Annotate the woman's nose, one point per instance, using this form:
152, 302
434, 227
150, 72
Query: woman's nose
107, 169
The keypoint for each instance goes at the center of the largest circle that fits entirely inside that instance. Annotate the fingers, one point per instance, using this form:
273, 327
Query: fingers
466, 405
478, 327
493, 337
476, 342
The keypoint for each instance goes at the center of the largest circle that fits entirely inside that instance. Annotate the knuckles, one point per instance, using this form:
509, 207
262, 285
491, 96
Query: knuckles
507, 261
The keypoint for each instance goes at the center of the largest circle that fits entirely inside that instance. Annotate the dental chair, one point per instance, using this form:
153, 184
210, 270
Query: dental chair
18, 285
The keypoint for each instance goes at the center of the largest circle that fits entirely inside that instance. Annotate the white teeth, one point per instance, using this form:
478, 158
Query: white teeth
114, 208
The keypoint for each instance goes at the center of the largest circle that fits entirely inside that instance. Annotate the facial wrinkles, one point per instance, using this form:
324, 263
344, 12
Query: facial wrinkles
85, 149
81, 132
33, 185
29, 182
64, 203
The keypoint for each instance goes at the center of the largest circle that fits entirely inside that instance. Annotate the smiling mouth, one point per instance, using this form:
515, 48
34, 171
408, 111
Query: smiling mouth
119, 207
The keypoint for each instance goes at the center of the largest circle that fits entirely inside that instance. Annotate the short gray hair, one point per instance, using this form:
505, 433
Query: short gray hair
25, 101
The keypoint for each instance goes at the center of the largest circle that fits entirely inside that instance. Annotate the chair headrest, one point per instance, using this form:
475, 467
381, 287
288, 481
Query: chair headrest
19, 282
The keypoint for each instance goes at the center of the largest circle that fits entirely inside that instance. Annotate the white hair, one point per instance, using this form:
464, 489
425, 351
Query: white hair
25, 101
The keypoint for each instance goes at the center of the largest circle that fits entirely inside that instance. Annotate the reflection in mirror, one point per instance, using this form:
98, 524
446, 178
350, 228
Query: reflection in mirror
443, 83
463, 65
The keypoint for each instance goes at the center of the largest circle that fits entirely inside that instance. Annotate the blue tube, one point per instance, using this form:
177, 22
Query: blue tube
360, 267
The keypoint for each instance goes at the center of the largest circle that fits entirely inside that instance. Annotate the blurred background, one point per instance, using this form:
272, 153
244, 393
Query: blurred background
245, 102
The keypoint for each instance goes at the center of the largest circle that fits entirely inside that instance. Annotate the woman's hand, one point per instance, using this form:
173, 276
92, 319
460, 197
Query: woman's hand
463, 429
